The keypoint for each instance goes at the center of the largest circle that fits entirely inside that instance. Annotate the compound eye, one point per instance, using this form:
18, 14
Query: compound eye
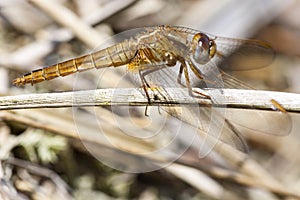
212, 48
201, 52
204, 42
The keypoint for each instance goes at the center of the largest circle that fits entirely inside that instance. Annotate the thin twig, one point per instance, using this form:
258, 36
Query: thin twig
42, 171
231, 98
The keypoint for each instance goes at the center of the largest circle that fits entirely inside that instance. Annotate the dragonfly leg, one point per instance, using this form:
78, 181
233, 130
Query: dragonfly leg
199, 75
188, 84
180, 75
145, 86
143, 76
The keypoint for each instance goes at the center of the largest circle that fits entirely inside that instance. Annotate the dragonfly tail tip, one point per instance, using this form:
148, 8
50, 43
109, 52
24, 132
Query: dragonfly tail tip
18, 82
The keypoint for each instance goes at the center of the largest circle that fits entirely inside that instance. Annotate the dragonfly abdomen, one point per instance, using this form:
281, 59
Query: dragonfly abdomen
61, 69
116, 55
113, 56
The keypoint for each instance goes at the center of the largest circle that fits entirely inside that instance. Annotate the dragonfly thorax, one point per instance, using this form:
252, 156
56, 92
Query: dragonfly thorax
169, 58
202, 48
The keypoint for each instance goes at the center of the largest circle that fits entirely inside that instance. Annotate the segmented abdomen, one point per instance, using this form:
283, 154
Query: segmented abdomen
113, 56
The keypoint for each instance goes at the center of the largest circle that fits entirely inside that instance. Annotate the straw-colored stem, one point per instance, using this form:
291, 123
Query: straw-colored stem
233, 98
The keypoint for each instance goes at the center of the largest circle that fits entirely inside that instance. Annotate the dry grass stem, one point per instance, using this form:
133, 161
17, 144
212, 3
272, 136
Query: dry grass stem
233, 98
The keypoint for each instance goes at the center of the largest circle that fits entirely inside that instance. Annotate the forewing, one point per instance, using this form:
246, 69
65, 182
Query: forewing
237, 54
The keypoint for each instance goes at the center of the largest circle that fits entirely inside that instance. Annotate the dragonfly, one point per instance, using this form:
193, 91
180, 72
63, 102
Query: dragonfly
173, 56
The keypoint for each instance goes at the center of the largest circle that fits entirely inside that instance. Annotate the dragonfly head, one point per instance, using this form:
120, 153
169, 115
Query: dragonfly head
203, 48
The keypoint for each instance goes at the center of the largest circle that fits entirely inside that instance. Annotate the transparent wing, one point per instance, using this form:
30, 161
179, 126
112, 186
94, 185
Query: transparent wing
208, 120
234, 54
268, 122
237, 54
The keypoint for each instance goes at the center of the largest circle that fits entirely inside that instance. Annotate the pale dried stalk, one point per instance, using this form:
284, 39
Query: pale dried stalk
233, 98
248, 99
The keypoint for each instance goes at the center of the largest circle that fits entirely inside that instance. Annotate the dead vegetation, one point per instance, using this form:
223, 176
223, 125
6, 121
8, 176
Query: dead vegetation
65, 153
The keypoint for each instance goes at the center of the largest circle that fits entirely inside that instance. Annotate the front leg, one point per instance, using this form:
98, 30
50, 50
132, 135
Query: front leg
180, 75
146, 86
188, 84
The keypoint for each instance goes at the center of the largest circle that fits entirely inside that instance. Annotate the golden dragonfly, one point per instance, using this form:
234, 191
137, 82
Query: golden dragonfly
191, 54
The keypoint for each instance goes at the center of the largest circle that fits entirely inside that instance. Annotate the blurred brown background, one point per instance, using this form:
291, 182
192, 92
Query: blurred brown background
41, 154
